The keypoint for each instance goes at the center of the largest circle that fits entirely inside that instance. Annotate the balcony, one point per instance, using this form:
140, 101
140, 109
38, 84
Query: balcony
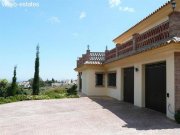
140, 42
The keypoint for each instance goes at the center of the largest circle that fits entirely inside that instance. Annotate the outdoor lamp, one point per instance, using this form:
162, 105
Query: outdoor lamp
173, 3
136, 69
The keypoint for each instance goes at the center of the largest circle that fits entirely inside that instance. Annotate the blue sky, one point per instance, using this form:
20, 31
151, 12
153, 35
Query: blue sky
63, 28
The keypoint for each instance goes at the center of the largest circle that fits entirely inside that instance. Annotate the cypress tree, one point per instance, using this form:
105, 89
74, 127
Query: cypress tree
13, 89
36, 74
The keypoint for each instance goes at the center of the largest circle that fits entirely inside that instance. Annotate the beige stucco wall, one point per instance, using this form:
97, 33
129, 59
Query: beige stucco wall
139, 83
92, 89
88, 83
139, 89
85, 82
115, 91
170, 86
139, 78
139, 61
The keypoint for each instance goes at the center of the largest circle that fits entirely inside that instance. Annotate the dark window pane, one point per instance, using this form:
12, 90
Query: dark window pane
112, 79
99, 79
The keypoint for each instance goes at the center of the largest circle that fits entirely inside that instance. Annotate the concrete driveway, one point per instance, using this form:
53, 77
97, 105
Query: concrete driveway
83, 116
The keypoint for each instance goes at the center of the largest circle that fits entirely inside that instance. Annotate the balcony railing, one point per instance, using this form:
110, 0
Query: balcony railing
153, 35
139, 43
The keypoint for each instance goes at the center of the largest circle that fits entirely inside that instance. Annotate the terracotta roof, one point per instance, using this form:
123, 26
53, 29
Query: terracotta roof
173, 40
168, 2
93, 62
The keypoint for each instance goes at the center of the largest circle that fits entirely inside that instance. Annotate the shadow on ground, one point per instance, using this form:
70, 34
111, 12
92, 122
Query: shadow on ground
135, 117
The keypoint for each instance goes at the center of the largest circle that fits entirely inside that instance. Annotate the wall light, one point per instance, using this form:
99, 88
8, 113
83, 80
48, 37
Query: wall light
173, 3
136, 69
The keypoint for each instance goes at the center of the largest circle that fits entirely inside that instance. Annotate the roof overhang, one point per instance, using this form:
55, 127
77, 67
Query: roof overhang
89, 66
154, 17
154, 53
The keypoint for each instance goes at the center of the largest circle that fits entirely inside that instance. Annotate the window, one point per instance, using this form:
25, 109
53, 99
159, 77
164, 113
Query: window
112, 79
99, 79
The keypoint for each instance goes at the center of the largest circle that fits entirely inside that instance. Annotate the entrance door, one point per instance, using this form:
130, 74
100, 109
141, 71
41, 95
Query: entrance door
155, 82
129, 85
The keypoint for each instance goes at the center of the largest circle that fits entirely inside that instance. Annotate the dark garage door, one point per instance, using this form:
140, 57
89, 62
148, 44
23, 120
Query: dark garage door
156, 87
129, 85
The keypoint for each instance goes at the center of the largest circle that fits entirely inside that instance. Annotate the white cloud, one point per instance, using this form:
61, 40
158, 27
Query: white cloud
114, 3
8, 3
75, 34
54, 20
117, 4
82, 15
127, 9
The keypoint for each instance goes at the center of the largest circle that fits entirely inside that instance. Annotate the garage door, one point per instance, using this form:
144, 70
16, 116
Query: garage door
129, 85
156, 87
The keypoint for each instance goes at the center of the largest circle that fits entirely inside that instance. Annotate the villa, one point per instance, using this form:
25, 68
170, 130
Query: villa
144, 67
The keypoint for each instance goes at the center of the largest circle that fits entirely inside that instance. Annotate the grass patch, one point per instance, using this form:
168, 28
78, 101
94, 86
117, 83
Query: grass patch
52, 93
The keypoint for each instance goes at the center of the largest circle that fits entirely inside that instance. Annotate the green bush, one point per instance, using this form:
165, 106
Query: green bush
22, 91
3, 92
3, 87
72, 90
38, 97
177, 116
52, 93
55, 93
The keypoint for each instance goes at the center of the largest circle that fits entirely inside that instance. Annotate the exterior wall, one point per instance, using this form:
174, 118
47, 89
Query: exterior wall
92, 89
139, 79
85, 82
170, 103
115, 92
139, 61
88, 84
177, 81
139, 85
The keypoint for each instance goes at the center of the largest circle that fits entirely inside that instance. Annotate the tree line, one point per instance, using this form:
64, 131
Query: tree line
12, 90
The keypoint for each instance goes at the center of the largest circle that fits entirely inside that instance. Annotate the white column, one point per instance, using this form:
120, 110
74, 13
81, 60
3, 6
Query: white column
78, 88
139, 90
121, 76
170, 87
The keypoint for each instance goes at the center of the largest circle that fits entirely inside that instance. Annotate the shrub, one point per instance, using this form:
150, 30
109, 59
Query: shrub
14, 87
3, 87
72, 90
22, 91
177, 116
55, 93
3, 92
39, 97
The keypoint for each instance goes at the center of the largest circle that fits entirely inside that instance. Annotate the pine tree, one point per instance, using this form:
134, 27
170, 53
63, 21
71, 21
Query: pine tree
13, 89
36, 74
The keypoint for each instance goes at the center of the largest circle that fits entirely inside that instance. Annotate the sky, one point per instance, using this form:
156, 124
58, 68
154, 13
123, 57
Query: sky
63, 29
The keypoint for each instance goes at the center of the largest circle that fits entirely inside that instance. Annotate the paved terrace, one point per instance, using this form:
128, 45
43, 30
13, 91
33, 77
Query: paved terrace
82, 116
